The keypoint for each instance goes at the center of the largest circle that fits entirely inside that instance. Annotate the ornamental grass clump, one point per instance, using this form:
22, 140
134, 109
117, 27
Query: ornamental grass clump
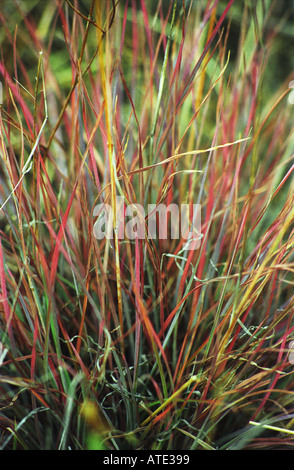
110, 337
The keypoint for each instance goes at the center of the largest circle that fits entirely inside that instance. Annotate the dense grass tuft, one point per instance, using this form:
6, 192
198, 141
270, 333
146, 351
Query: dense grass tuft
146, 343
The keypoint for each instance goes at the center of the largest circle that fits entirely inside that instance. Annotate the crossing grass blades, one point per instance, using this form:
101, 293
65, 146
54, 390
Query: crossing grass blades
143, 343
